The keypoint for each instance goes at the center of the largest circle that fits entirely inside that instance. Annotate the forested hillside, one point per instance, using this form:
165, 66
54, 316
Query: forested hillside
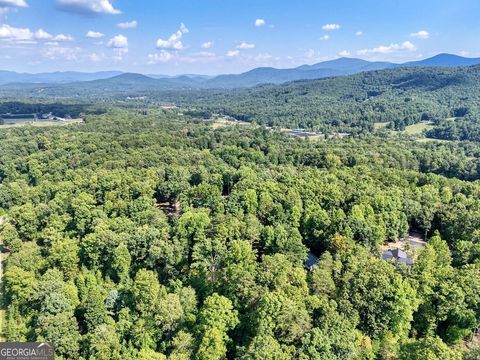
253, 77
153, 236
448, 97
354, 103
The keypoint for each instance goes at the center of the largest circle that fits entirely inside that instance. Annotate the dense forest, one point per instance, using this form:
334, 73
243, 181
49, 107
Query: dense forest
148, 235
352, 104
72, 109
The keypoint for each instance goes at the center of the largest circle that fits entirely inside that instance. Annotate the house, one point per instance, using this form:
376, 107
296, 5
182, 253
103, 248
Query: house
311, 262
397, 254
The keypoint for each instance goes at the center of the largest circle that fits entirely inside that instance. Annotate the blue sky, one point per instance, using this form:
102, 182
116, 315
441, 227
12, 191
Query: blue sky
227, 36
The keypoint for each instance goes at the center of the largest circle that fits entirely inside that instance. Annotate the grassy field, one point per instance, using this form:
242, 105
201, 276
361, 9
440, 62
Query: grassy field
42, 123
380, 125
417, 129
425, 139
222, 122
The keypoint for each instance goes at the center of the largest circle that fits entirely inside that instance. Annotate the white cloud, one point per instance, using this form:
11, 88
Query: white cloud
329, 27
42, 35
232, 53
11, 33
52, 43
118, 42
55, 53
359, 33
183, 28
344, 53
174, 41
245, 45
128, 25
13, 3
405, 46
165, 56
94, 34
260, 22
26, 36
265, 57
63, 37
94, 57
207, 45
310, 54
162, 57
87, 7
422, 34
325, 37
7, 6
119, 53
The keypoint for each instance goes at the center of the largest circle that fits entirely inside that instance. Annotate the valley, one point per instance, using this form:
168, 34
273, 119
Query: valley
239, 180
234, 223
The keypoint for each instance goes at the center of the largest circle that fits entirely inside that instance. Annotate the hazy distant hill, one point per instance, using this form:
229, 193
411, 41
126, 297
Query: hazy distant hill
54, 77
348, 65
268, 75
132, 81
125, 79
264, 75
401, 95
447, 60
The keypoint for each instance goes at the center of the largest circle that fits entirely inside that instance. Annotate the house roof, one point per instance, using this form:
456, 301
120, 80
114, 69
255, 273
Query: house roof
312, 260
387, 255
398, 255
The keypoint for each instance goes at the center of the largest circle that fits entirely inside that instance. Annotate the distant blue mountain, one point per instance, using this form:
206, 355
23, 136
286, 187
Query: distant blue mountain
54, 77
447, 60
348, 65
267, 75
338, 67
263, 75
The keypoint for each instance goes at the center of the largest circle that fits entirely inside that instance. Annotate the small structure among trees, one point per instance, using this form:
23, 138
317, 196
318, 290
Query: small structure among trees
397, 254
311, 262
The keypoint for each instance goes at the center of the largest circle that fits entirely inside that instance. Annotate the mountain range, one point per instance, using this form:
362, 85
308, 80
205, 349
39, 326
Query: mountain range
263, 75
54, 77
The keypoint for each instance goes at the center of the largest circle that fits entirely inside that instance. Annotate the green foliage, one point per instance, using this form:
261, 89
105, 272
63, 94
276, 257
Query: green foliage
431, 348
400, 96
153, 236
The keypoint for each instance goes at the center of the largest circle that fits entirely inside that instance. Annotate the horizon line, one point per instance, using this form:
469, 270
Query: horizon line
253, 68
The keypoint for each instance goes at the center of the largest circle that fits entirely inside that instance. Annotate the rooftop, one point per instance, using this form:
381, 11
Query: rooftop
311, 261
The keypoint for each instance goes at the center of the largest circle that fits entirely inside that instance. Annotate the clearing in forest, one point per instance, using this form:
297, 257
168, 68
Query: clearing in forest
221, 122
42, 123
380, 125
418, 128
